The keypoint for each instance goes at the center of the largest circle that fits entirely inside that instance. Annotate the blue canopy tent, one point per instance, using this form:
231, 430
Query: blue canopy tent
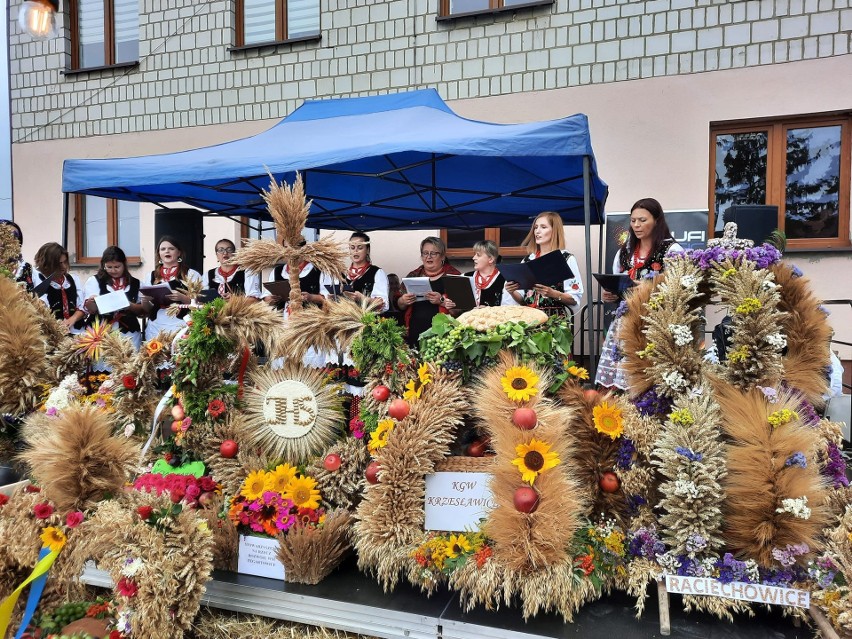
398, 161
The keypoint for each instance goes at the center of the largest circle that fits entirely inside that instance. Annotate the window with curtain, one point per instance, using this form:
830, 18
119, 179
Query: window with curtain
266, 21
104, 33
103, 222
799, 164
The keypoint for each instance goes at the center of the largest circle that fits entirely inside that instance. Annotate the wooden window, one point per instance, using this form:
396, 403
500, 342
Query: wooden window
468, 7
460, 242
799, 164
101, 223
268, 21
104, 33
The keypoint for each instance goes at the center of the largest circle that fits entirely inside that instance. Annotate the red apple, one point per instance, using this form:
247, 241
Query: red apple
176, 424
178, 412
205, 499
524, 418
331, 462
476, 448
609, 482
399, 409
525, 499
372, 472
381, 393
229, 449
591, 395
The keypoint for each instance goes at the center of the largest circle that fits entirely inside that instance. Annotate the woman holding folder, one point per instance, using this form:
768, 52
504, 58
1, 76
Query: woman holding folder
487, 280
59, 289
174, 272
546, 235
418, 313
231, 280
364, 280
113, 277
642, 256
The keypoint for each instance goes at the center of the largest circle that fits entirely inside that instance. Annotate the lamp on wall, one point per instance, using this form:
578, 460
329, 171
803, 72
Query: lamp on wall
38, 18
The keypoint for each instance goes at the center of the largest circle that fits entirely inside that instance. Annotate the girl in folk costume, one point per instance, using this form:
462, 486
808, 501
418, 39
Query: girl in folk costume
363, 279
230, 280
114, 277
548, 234
309, 283
648, 243
418, 314
21, 270
488, 281
173, 271
64, 293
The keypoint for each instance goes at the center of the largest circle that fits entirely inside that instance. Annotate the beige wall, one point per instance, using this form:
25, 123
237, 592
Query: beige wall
650, 139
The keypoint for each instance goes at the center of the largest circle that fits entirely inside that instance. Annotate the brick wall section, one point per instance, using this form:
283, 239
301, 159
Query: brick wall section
188, 75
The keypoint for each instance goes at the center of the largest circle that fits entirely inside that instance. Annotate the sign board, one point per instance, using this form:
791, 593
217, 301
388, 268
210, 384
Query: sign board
708, 586
455, 502
259, 556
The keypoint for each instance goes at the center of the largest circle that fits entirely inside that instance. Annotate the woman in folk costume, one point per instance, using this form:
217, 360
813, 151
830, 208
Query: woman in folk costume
64, 293
173, 271
489, 283
113, 277
229, 280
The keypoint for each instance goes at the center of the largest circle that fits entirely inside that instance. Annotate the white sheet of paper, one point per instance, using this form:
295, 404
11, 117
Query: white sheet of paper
112, 302
419, 286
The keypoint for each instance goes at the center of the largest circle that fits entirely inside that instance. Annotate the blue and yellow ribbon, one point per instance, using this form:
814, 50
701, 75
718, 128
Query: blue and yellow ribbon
46, 559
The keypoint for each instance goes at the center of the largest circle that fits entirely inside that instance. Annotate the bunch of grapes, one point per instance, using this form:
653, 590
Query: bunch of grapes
63, 615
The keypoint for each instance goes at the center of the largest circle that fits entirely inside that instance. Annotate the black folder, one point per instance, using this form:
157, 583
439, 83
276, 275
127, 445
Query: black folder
549, 270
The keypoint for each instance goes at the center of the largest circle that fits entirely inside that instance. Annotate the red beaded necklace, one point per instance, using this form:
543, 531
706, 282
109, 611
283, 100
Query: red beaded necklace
226, 274
168, 273
483, 282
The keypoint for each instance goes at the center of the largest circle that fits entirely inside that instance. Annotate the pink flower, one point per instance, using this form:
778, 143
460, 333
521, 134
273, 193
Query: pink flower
51, 412
193, 491
42, 510
4, 499
126, 587
74, 519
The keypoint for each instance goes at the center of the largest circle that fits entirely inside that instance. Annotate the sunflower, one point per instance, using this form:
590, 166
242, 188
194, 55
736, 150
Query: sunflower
608, 420
254, 485
519, 383
153, 346
414, 388
302, 491
53, 538
280, 477
579, 372
379, 437
534, 458
91, 340
457, 545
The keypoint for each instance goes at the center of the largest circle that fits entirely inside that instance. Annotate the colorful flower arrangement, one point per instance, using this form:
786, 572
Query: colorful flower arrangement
600, 551
272, 502
442, 554
194, 492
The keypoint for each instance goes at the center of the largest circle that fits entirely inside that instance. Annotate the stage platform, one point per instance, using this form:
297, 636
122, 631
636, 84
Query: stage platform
348, 600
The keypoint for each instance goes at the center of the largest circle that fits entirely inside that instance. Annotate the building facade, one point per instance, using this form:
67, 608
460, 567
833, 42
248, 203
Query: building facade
699, 103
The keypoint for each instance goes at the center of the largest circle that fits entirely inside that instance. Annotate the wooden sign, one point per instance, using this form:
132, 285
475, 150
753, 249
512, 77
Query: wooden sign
455, 502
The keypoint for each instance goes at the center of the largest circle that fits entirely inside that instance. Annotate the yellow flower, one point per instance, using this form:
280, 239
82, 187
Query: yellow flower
91, 340
519, 383
53, 538
278, 479
154, 346
608, 420
533, 459
682, 417
206, 330
414, 388
254, 485
749, 305
728, 273
650, 348
302, 491
379, 437
579, 372
781, 417
739, 354
457, 545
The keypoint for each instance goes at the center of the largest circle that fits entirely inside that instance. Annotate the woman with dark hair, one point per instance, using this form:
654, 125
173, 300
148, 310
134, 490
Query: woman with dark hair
548, 234
64, 294
363, 278
229, 280
113, 277
22, 272
173, 271
489, 283
642, 256
418, 314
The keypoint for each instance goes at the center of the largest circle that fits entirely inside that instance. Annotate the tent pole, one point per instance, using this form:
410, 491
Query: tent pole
65, 224
591, 342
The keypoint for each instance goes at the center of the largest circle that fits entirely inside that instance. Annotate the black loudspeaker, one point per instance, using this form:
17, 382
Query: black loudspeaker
187, 227
755, 222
